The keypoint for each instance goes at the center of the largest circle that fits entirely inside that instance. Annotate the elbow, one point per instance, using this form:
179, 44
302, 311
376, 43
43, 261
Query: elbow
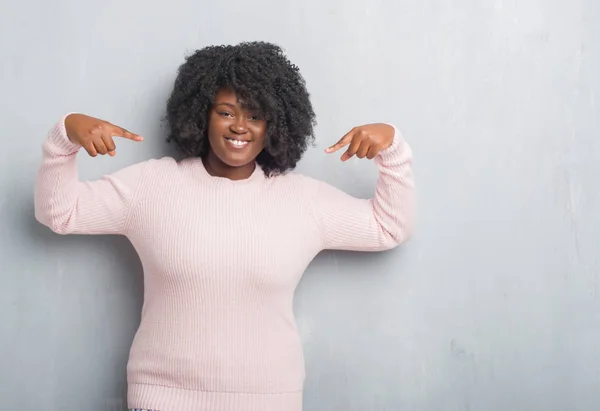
397, 231
402, 226
44, 219
44, 216
54, 227
405, 233
51, 210
397, 236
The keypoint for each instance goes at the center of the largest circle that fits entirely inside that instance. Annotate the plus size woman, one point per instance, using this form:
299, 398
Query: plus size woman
225, 233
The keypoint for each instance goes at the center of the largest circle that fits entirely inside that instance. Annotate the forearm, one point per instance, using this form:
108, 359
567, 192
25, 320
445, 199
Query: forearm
379, 223
57, 184
67, 205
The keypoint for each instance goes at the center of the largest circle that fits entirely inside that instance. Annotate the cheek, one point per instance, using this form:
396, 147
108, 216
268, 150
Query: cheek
260, 133
215, 123
215, 132
260, 140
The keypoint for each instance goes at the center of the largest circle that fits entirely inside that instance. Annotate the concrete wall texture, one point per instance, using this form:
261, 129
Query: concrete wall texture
495, 303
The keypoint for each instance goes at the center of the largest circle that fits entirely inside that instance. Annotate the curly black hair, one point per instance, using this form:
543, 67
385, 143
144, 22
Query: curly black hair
264, 79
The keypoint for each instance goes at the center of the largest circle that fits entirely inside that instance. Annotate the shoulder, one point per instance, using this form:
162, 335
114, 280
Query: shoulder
163, 162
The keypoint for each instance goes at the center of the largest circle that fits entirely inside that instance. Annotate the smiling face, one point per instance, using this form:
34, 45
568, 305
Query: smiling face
236, 136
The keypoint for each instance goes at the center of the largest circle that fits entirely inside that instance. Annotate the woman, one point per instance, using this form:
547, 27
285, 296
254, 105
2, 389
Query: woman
225, 234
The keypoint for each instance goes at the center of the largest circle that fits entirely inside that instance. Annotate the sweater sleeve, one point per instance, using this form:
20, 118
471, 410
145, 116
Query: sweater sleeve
376, 224
69, 206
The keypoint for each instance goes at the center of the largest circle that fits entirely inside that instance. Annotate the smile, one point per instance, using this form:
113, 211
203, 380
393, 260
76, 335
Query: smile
237, 143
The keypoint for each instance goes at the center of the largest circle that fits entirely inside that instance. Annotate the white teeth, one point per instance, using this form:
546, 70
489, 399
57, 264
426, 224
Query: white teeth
237, 142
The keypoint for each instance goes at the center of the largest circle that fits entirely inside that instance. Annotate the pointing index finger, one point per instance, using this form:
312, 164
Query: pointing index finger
344, 141
121, 132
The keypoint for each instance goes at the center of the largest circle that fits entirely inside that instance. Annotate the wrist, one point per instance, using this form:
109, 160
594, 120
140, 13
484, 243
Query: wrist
391, 135
68, 121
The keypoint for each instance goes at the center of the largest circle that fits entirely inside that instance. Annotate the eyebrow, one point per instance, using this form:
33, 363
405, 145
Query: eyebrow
234, 106
226, 104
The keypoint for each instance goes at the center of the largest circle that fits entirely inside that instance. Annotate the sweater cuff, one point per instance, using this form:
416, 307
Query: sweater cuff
58, 137
399, 148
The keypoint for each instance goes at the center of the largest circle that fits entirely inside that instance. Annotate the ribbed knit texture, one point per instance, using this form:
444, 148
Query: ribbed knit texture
221, 262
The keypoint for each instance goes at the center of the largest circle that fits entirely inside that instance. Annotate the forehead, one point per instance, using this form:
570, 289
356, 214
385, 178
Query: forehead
227, 95
230, 97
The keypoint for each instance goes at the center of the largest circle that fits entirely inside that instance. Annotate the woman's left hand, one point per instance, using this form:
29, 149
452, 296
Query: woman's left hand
365, 141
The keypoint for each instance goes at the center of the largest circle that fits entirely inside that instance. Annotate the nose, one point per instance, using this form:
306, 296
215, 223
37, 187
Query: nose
239, 125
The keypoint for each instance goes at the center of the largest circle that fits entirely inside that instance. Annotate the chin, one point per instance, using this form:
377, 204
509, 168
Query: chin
236, 164
236, 161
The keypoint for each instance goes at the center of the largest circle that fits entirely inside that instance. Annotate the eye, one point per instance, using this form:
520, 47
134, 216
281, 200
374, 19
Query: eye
255, 117
225, 114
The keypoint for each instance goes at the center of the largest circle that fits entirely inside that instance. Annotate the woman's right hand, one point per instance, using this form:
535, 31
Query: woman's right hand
95, 135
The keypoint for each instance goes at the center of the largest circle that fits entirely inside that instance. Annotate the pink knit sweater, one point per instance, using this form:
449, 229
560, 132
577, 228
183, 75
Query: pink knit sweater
221, 261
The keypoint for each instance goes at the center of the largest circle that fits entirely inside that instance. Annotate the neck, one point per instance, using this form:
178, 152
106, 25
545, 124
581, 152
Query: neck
216, 168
